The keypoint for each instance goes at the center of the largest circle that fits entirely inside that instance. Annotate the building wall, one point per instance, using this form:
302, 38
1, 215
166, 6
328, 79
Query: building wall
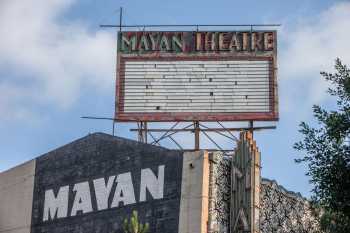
101, 156
280, 210
194, 193
284, 211
219, 193
196, 197
16, 196
182, 209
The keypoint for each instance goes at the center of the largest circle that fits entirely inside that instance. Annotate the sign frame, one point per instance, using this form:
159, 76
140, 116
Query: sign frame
122, 58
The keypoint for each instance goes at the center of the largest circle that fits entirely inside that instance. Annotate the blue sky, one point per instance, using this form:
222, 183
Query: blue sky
56, 65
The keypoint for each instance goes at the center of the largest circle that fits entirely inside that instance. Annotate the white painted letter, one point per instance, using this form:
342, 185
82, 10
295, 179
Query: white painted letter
56, 205
124, 191
152, 183
102, 191
82, 199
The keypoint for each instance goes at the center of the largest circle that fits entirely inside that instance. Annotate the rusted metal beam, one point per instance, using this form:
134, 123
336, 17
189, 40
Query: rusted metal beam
172, 139
165, 135
251, 126
144, 134
196, 135
210, 129
213, 141
233, 136
218, 132
166, 132
154, 139
187, 25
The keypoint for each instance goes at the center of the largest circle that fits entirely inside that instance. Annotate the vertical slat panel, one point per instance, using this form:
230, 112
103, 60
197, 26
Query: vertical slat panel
245, 181
244, 83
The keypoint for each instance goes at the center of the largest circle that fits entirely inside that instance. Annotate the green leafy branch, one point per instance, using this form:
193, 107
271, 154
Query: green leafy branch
134, 226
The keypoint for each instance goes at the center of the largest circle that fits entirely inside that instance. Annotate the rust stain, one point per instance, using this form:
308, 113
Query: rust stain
197, 46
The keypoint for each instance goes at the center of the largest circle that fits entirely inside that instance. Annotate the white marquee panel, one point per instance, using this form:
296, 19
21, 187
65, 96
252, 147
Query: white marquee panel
197, 86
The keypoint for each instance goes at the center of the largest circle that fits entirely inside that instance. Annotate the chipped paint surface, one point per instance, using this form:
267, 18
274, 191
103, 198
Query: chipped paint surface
189, 76
280, 210
194, 42
245, 186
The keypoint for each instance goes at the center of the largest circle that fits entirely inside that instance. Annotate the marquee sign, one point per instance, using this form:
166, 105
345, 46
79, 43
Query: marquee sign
187, 76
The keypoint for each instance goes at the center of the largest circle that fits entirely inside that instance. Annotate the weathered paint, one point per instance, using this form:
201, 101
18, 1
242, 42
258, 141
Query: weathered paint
195, 197
16, 198
190, 76
93, 184
194, 42
245, 186
221, 86
194, 193
56, 206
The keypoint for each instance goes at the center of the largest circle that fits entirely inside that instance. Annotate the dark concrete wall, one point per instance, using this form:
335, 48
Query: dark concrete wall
101, 155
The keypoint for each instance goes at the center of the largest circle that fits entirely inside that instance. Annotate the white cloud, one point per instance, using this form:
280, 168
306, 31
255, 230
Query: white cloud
311, 46
50, 60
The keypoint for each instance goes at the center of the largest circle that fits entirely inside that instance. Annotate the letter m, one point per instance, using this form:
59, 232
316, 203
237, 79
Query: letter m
56, 206
128, 44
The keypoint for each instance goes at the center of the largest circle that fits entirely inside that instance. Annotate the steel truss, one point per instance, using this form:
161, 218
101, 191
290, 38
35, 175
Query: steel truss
197, 128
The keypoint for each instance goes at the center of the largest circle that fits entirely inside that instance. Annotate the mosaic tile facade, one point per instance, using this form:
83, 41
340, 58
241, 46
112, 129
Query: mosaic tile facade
281, 211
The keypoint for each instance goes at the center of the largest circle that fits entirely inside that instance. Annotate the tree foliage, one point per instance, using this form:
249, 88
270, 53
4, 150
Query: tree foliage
327, 153
134, 226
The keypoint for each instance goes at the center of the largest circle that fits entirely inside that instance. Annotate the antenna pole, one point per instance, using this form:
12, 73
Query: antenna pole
120, 18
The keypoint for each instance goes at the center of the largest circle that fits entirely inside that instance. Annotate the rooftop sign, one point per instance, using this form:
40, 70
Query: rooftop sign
188, 76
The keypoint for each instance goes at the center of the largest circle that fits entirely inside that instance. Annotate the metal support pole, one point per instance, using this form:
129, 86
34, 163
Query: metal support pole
145, 132
139, 130
142, 131
251, 127
196, 135
113, 127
